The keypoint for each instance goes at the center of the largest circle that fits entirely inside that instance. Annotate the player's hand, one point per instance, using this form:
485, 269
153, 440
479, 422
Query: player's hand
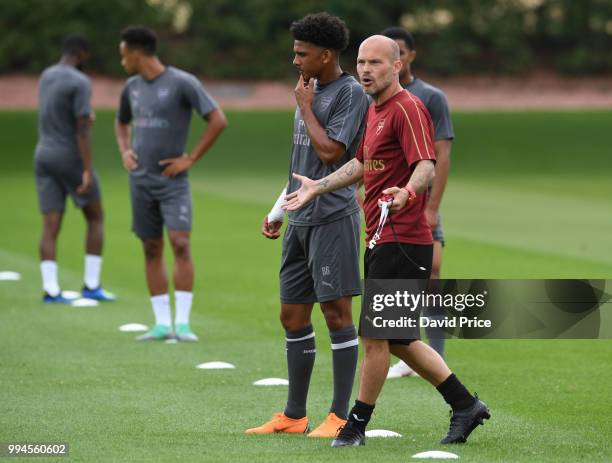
400, 198
86, 183
175, 166
302, 196
304, 93
129, 159
92, 118
432, 217
270, 230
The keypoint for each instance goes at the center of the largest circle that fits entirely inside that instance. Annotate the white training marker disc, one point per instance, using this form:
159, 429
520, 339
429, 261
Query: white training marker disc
436, 454
71, 294
215, 366
382, 433
171, 341
272, 382
10, 276
133, 327
84, 302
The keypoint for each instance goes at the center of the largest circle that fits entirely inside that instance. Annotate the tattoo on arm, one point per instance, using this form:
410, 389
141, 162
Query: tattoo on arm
350, 173
323, 183
349, 167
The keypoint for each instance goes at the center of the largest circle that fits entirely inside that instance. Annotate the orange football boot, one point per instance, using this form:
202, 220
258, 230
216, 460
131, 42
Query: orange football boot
329, 428
282, 423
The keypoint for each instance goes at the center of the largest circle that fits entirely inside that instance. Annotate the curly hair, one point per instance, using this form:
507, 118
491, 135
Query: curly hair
323, 30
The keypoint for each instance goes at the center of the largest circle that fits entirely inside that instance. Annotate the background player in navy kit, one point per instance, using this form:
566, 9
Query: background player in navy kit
320, 261
158, 102
435, 101
63, 165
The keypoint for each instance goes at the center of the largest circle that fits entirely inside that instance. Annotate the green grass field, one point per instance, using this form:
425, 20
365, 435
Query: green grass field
529, 197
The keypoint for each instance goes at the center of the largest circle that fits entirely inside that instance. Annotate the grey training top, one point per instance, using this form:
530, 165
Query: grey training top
340, 107
63, 96
160, 113
435, 101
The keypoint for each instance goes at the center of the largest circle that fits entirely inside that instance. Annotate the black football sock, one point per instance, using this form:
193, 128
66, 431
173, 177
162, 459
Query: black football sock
360, 415
344, 346
300, 362
455, 394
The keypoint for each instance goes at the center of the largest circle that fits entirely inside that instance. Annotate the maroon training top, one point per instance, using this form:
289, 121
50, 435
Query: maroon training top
398, 134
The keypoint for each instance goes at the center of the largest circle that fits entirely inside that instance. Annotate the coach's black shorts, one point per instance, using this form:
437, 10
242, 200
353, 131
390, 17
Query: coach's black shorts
398, 261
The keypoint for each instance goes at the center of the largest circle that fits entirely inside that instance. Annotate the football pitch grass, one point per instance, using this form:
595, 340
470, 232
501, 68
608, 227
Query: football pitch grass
529, 197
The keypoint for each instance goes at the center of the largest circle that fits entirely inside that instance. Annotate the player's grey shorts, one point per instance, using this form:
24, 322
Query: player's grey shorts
438, 232
320, 263
156, 204
55, 182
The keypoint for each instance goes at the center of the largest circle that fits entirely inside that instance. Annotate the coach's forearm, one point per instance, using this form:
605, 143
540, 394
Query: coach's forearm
349, 173
328, 150
122, 134
422, 175
216, 124
84, 140
443, 150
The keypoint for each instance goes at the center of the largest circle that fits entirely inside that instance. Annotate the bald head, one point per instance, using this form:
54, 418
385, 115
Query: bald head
381, 46
378, 66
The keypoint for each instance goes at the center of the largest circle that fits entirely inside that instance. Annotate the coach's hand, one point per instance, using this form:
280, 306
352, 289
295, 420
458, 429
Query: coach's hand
175, 166
304, 93
130, 159
400, 198
86, 183
270, 230
302, 196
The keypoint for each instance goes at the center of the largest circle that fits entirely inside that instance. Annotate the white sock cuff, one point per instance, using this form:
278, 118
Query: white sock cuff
160, 298
93, 258
183, 295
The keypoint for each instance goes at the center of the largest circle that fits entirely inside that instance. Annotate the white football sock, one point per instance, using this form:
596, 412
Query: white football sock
161, 309
93, 266
48, 270
182, 301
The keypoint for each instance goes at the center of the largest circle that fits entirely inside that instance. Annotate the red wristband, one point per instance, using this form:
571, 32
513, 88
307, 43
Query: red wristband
411, 193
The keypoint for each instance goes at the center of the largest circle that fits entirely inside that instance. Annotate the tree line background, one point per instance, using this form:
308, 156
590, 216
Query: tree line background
250, 39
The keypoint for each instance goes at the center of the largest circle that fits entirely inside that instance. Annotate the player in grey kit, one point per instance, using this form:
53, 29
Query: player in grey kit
435, 101
63, 166
320, 258
156, 104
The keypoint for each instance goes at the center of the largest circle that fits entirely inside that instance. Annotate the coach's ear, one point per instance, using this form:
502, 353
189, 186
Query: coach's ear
397, 67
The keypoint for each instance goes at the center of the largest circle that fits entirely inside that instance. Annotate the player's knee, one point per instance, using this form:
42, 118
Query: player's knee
180, 246
95, 220
293, 322
51, 229
334, 319
375, 346
153, 249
